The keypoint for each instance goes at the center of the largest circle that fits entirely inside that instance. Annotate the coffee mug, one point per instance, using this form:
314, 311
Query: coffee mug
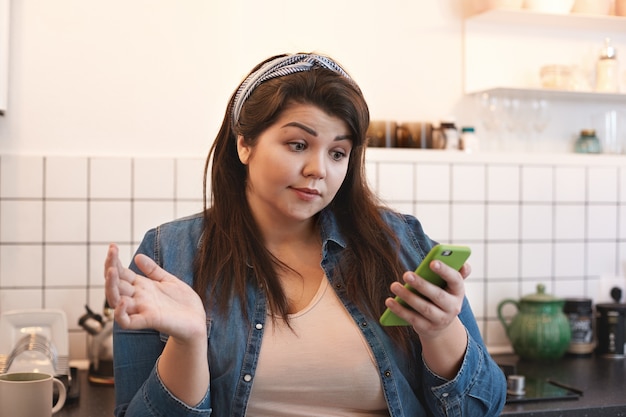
28, 394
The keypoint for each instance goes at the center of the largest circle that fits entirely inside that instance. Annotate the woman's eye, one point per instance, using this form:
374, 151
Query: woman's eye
297, 146
337, 155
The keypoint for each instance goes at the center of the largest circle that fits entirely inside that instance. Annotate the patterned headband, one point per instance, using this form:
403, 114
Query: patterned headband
280, 67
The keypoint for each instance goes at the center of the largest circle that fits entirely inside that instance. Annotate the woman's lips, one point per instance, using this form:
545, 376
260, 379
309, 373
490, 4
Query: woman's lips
306, 194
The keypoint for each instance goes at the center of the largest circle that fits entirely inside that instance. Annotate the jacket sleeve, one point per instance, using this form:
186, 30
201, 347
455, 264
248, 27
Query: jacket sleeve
478, 389
139, 392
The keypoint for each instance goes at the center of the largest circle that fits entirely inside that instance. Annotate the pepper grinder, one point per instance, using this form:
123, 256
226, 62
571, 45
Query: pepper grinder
607, 69
611, 326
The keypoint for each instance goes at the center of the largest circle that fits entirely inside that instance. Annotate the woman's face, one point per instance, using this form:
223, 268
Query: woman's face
296, 166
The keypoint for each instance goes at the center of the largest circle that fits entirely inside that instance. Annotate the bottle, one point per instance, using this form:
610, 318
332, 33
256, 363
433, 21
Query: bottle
450, 135
469, 140
607, 69
587, 142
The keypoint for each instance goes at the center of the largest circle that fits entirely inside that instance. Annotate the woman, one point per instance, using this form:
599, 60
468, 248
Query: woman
267, 303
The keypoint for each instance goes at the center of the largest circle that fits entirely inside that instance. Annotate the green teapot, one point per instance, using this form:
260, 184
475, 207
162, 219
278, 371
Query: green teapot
540, 329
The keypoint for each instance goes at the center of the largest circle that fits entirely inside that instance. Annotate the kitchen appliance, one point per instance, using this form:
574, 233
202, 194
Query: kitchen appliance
100, 352
34, 340
540, 329
37, 340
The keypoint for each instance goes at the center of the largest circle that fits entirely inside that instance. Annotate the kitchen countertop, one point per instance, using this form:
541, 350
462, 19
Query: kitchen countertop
91, 401
601, 380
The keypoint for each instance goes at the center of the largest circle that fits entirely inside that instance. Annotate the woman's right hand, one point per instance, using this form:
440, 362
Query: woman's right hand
162, 302
158, 300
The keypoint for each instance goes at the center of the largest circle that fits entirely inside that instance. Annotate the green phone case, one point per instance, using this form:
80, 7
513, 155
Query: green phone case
452, 255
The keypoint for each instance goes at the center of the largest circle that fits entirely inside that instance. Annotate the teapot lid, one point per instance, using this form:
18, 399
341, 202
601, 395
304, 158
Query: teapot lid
540, 296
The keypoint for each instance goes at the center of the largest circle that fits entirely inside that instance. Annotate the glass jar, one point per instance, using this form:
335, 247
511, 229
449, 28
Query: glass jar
587, 142
469, 141
579, 312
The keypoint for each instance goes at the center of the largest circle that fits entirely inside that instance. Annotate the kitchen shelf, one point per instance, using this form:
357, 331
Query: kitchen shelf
577, 21
505, 49
553, 94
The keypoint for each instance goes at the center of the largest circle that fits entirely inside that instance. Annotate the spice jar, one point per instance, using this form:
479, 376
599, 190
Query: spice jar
579, 312
588, 142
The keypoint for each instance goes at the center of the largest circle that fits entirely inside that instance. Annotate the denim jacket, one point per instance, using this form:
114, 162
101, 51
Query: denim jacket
410, 389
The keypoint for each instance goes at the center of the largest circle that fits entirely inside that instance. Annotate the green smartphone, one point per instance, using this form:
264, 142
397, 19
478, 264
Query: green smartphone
452, 255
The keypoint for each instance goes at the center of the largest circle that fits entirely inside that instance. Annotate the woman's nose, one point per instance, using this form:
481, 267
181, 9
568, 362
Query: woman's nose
315, 166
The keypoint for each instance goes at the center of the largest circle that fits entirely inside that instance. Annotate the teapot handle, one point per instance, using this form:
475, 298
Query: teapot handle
501, 317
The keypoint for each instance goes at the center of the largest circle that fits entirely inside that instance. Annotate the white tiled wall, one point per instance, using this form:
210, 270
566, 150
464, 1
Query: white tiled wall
58, 215
529, 220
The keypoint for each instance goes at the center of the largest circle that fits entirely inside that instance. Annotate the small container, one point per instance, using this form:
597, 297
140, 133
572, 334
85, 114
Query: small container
469, 140
587, 142
446, 136
607, 69
558, 77
579, 312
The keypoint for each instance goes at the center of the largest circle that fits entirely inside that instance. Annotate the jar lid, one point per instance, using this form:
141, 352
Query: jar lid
577, 305
588, 132
608, 52
540, 296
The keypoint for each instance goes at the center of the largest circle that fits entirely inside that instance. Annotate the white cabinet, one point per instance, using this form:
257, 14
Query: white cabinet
504, 51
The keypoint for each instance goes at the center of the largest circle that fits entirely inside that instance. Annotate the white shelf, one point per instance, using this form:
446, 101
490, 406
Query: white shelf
575, 21
505, 49
550, 94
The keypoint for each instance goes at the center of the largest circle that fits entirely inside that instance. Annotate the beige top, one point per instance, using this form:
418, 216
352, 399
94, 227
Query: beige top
323, 367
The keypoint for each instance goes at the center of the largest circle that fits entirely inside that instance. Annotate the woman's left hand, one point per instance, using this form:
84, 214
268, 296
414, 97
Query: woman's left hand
431, 315
435, 318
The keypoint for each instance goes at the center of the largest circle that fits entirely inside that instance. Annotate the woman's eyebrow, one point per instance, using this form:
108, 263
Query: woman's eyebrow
307, 129
314, 132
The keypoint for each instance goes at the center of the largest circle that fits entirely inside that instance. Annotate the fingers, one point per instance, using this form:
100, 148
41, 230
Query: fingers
126, 314
111, 275
119, 280
124, 287
465, 270
454, 279
151, 269
434, 306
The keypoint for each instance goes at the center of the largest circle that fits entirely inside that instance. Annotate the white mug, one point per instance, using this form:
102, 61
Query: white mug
28, 394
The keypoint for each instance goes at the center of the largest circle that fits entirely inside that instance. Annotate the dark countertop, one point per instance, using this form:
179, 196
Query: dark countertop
601, 380
89, 400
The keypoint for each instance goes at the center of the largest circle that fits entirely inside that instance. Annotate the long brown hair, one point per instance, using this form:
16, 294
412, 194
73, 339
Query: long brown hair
232, 242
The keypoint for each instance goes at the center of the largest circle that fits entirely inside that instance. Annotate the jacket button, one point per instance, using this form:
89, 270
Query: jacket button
259, 326
387, 374
247, 377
